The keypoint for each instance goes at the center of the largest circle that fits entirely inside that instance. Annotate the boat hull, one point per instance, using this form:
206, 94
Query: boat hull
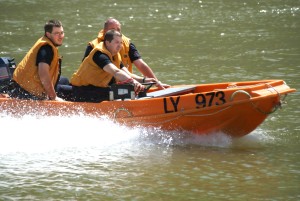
235, 109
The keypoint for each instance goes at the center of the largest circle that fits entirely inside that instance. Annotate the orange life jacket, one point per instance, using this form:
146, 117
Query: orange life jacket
26, 73
124, 52
89, 73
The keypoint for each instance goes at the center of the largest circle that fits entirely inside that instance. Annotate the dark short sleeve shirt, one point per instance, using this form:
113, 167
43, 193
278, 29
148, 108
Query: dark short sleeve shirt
102, 59
133, 53
45, 55
87, 51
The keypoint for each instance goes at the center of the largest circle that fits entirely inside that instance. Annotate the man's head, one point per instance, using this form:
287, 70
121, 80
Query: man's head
113, 41
112, 23
55, 32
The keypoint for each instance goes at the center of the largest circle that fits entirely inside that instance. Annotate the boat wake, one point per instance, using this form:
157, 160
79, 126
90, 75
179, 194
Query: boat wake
32, 133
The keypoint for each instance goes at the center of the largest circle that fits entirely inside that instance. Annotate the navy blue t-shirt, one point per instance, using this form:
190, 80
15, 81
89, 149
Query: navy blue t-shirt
45, 55
133, 52
102, 59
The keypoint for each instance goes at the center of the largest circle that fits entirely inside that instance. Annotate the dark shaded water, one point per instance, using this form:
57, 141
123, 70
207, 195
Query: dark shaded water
83, 158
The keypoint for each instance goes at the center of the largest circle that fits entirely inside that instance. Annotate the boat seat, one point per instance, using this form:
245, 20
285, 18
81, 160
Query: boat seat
170, 91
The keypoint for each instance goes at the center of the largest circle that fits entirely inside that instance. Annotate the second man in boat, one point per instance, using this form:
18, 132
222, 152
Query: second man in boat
101, 68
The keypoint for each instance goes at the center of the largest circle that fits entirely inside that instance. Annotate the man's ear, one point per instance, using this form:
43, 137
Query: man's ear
47, 34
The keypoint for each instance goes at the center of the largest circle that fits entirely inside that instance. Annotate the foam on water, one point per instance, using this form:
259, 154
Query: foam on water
32, 133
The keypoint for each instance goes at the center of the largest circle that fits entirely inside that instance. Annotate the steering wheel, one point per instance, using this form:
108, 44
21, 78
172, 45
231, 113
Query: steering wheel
147, 85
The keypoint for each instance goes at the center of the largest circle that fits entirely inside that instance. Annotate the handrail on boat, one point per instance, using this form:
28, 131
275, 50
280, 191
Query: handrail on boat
278, 105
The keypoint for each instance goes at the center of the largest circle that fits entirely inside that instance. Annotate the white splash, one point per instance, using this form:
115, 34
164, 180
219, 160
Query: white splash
32, 133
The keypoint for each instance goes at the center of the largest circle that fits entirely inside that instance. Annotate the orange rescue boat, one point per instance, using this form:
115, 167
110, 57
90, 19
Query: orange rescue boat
234, 108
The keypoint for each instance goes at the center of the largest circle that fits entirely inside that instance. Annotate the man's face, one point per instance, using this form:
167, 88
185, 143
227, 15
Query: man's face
56, 36
115, 45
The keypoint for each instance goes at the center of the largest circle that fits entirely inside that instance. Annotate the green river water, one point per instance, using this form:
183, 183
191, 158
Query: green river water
184, 42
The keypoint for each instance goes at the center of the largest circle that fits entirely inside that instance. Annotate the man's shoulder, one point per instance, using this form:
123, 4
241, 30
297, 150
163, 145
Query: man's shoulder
47, 48
100, 55
125, 38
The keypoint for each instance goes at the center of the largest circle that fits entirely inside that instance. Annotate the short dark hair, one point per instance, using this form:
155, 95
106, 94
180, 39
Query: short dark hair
110, 34
50, 24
